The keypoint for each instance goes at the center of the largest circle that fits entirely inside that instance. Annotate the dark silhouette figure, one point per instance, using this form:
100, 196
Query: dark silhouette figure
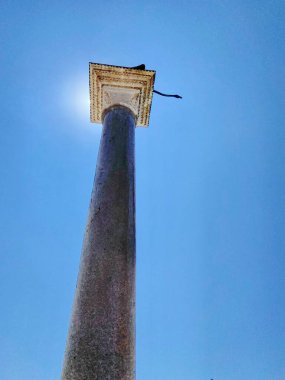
139, 67
142, 67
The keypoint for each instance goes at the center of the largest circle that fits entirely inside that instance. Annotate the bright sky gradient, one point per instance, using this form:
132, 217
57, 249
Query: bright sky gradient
209, 177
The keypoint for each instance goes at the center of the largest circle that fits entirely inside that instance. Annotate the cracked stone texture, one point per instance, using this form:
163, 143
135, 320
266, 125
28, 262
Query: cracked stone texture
101, 339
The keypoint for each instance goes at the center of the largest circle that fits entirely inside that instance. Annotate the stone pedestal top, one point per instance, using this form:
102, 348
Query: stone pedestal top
116, 85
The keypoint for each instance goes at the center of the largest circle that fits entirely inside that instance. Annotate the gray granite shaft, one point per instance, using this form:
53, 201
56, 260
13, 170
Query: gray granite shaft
101, 339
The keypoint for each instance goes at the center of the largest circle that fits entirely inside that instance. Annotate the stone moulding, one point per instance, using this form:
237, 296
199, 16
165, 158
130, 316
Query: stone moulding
116, 85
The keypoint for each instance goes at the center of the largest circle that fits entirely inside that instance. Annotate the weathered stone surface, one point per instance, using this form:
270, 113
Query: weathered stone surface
101, 340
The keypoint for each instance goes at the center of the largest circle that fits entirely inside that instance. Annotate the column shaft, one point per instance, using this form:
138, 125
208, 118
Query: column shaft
101, 340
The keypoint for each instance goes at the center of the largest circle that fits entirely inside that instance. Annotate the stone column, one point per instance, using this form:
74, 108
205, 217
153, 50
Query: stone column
101, 339
101, 342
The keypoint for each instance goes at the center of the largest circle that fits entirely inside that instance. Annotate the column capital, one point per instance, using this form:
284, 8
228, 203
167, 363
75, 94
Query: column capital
117, 85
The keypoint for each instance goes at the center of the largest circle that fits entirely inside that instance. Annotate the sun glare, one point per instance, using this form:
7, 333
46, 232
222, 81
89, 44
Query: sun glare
75, 106
75, 99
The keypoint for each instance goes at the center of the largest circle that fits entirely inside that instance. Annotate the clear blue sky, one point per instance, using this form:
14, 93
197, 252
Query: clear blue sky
209, 177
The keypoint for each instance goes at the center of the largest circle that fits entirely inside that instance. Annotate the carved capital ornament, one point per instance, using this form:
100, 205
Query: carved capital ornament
116, 85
